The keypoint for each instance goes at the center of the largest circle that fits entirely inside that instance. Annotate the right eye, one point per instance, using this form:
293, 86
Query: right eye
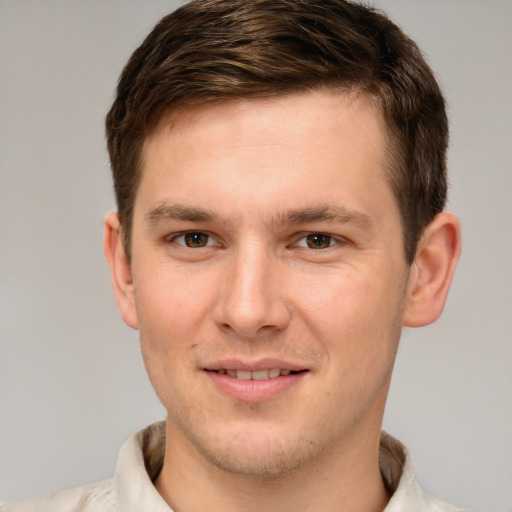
316, 241
193, 239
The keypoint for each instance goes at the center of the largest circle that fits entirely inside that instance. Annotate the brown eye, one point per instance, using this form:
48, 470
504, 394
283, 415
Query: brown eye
196, 239
318, 241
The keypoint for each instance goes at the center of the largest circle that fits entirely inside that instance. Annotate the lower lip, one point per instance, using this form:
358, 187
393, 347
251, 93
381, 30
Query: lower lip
254, 390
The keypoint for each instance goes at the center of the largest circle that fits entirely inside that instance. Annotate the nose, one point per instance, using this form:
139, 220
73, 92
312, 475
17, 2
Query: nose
251, 299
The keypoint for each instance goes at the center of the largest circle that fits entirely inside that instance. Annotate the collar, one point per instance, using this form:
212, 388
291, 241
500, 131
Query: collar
141, 459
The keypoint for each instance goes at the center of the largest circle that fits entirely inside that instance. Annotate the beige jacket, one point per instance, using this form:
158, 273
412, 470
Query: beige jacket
141, 457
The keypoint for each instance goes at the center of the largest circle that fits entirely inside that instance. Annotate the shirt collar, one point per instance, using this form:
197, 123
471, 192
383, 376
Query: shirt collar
398, 472
141, 459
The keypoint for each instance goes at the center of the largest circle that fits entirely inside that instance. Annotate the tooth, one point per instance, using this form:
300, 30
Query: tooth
231, 373
222, 372
274, 372
260, 375
286, 372
243, 375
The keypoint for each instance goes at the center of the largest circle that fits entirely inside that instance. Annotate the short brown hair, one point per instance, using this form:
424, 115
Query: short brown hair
212, 50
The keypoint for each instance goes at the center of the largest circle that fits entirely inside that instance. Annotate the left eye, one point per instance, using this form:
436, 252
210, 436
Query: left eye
194, 239
316, 241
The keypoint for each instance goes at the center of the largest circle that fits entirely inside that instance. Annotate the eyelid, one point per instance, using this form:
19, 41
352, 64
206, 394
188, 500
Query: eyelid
336, 240
181, 234
213, 241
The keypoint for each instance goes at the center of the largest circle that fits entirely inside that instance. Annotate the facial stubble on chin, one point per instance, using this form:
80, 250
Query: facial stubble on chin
277, 462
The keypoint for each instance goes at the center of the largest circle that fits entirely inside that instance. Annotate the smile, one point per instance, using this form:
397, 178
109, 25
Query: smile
254, 382
271, 373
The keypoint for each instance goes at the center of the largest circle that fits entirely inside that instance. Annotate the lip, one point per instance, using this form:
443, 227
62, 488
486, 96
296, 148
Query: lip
254, 390
254, 366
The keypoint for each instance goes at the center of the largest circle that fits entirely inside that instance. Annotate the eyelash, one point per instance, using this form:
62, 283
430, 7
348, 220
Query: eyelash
173, 239
331, 240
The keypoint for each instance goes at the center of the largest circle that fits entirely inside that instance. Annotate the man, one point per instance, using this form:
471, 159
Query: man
279, 168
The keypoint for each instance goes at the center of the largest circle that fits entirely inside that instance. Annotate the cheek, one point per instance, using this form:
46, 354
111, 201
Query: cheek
354, 313
341, 298
171, 299
168, 314
167, 347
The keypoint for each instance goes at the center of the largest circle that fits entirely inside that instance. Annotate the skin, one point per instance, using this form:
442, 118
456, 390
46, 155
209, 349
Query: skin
297, 257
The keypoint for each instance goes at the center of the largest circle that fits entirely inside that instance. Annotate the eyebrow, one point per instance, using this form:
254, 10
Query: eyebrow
167, 212
338, 214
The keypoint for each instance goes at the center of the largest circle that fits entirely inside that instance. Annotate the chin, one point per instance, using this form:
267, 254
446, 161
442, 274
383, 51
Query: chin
265, 466
257, 457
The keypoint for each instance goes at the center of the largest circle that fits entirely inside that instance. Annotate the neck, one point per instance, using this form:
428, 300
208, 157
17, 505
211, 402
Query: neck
344, 478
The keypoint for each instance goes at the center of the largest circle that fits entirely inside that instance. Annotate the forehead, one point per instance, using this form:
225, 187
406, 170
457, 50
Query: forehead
315, 141
320, 103
269, 119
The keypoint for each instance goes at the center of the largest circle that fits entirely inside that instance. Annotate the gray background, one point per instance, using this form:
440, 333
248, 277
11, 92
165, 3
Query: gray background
72, 384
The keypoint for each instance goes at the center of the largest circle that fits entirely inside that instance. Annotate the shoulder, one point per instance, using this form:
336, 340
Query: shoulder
95, 497
131, 489
436, 505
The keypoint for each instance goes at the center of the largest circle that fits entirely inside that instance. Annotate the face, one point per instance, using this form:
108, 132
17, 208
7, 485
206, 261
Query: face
269, 278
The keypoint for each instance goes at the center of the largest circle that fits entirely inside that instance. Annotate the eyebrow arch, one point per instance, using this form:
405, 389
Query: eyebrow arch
166, 212
337, 214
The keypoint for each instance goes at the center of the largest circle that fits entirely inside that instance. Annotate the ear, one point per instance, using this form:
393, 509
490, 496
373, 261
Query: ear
432, 271
120, 270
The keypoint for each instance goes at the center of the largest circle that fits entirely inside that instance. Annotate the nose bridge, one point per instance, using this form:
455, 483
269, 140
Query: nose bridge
251, 299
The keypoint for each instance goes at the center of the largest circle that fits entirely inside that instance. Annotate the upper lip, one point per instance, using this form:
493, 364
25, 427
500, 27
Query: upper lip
254, 366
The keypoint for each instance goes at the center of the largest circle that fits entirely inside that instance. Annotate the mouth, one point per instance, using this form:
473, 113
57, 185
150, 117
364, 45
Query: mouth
257, 382
271, 373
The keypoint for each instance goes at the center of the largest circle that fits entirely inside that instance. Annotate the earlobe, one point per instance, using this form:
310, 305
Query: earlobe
120, 270
432, 272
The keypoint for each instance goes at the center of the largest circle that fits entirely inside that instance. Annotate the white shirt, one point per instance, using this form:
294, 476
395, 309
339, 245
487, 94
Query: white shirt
141, 458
